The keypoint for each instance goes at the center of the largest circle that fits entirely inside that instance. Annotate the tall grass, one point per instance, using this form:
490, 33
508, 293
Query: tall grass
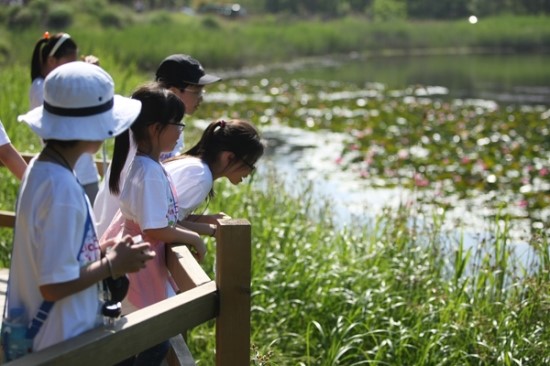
393, 291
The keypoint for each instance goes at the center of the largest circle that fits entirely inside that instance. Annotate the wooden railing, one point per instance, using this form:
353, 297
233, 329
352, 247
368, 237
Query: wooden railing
225, 299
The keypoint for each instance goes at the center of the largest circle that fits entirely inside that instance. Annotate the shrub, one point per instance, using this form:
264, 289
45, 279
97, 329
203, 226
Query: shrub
210, 23
93, 7
4, 50
22, 17
60, 17
110, 18
40, 6
161, 17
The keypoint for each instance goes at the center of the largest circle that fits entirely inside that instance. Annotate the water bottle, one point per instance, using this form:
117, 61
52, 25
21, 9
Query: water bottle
14, 334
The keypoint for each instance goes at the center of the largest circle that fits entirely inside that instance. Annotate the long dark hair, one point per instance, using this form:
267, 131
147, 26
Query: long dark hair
158, 105
44, 47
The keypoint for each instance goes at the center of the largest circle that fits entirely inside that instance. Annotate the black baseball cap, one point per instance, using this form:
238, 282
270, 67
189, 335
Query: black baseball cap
178, 70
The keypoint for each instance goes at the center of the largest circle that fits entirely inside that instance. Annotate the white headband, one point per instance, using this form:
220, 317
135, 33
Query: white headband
58, 44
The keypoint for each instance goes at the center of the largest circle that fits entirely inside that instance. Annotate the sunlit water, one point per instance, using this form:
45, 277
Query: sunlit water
302, 157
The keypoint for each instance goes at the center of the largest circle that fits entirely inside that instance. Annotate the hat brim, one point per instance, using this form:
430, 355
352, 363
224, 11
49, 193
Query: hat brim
97, 127
208, 79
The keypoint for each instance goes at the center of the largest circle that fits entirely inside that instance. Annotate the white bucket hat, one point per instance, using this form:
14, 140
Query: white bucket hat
80, 104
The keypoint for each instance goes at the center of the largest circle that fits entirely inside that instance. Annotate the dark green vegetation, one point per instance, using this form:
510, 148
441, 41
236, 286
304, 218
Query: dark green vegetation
399, 290
223, 43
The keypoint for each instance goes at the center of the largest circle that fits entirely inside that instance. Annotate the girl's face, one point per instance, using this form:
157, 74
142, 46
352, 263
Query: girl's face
91, 147
168, 136
238, 170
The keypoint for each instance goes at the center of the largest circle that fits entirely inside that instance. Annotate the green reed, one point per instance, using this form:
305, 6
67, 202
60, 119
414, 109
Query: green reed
392, 290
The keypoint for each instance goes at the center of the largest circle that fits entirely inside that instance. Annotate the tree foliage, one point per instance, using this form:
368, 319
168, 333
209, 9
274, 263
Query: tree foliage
411, 9
375, 9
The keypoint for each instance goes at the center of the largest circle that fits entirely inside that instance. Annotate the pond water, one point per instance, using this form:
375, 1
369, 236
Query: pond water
310, 156
523, 79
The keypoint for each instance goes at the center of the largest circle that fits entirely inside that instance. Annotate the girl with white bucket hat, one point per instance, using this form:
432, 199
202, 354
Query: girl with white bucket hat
56, 254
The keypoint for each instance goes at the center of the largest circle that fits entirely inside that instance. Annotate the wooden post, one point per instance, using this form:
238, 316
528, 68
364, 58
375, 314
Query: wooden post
233, 274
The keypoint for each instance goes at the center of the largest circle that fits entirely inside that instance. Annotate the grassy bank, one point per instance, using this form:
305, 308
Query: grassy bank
219, 43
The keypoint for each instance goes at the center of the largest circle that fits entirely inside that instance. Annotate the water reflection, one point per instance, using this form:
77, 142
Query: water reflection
303, 157
501, 78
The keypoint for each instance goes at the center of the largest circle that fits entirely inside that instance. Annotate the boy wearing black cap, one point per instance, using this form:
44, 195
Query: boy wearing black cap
185, 77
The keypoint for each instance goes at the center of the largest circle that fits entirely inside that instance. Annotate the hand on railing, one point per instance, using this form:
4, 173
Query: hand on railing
127, 257
196, 247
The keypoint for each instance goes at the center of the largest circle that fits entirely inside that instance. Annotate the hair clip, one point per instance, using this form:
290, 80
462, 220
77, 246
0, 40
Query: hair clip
221, 123
46, 35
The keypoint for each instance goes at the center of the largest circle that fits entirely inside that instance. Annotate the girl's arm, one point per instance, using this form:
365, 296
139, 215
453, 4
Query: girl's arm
124, 258
11, 158
179, 236
202, 228
209, 219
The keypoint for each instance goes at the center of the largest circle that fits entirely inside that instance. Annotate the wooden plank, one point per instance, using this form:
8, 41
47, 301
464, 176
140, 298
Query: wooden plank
183, 267
187, 274
4, 274
233, 276
7, 219
133, 333
179, 354
98, 162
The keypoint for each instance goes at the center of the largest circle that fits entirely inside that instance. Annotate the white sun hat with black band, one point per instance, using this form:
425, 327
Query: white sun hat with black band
80, 104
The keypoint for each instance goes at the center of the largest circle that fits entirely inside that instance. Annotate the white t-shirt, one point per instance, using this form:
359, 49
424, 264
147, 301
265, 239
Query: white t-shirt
85, 168
54, 238
193, 181
4, 138
146, 197
148, 200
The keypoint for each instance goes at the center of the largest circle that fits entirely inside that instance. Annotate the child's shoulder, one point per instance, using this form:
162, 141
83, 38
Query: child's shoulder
184, 162
48, 180
187, 165
145, 167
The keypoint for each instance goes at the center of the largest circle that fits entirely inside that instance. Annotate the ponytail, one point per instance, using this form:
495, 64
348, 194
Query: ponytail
120, 154
36, 61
